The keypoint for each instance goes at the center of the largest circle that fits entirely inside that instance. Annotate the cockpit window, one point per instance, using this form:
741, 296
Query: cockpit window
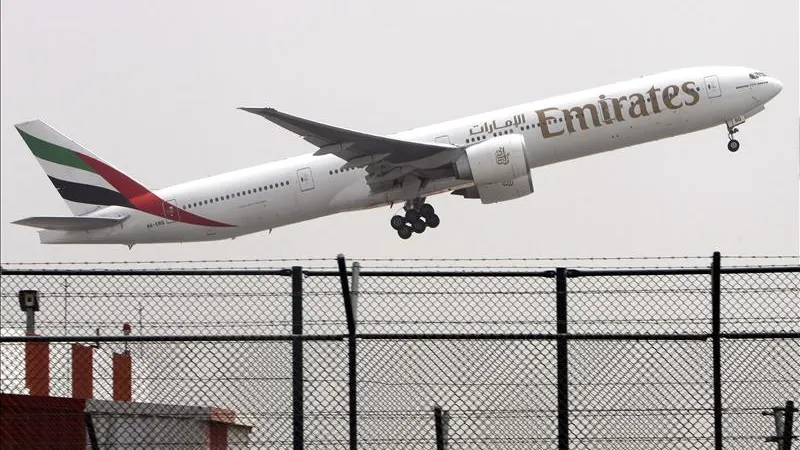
756, 75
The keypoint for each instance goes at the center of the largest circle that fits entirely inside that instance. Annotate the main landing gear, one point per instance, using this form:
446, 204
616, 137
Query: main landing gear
419, 216
733, 144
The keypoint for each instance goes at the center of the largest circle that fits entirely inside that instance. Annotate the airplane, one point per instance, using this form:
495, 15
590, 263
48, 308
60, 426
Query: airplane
486, 156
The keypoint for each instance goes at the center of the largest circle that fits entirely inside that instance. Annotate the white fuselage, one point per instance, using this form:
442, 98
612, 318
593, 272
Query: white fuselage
306, 187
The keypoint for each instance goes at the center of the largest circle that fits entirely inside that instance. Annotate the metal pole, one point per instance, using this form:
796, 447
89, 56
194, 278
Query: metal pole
439, 421
93, 444
30, 322
716, 270
298, 435
561, 357
352, 352
788, 424
348, 300
356, 277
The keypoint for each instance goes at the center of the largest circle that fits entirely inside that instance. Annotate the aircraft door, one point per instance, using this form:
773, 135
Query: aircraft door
712, 86
443, 139
171, 212
305, 179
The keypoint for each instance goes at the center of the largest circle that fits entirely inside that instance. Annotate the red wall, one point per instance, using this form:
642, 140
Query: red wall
31, 422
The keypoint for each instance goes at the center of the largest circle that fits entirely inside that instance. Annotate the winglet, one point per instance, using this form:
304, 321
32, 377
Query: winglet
258, 111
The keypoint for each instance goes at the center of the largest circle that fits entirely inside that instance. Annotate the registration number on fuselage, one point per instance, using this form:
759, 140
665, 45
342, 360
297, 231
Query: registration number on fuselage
157, 223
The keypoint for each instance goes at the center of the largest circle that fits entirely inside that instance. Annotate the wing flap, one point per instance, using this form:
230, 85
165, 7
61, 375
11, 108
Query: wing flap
70, 223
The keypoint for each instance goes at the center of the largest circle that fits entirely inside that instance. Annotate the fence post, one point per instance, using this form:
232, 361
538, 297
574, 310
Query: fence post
716, 269
298, 437
351, 332
440, 422
788, 424
561, 357
355, 281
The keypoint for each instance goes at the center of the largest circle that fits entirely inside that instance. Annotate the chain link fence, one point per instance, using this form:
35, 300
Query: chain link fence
686, 358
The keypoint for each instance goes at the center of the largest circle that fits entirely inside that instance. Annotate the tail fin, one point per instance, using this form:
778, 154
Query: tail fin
84, 181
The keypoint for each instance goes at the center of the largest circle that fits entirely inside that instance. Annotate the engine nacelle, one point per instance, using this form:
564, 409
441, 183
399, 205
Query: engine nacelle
499, 167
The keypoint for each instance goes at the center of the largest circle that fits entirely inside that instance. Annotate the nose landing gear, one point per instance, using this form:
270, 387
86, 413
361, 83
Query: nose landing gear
733, 144
419, 216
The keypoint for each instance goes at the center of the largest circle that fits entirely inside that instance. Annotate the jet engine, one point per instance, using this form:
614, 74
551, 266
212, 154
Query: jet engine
499, 167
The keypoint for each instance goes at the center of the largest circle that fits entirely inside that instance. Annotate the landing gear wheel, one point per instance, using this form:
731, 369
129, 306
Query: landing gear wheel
397, 222
733, 144
433, 221
404, 232
412, 215
426, 210
418, 226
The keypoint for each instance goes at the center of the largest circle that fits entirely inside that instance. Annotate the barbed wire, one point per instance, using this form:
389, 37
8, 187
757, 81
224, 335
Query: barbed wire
499, 263
454, 264
437, 259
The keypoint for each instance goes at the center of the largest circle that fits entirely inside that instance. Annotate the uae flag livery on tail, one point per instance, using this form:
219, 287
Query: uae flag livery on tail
87, 183
70, 168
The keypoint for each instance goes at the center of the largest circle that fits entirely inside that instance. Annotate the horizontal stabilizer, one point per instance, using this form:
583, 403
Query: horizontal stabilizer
70, 223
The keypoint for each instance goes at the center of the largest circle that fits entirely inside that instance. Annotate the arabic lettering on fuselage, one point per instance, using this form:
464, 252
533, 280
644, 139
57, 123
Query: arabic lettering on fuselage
489, 127
611, 109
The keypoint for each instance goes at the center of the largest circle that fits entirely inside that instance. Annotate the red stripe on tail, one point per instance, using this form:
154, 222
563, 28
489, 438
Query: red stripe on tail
142, 198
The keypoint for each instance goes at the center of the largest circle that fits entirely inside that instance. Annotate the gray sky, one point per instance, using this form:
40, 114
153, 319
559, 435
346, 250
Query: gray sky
153, 88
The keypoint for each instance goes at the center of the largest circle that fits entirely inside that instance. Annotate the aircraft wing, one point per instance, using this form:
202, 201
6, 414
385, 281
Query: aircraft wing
385, 158
70, 223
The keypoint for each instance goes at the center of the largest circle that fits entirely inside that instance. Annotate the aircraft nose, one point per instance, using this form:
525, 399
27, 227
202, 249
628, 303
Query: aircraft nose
764, 87
773, 88
776, 86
